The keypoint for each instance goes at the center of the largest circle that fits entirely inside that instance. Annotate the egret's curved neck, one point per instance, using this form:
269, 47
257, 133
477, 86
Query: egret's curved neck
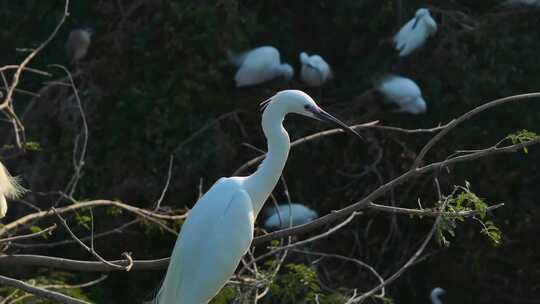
260, 184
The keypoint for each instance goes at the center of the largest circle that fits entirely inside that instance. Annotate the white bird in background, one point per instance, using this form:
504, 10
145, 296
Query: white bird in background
219, 229
315, 71
282, 217
404, 92
259, 65
9, 189
435, 294
77, 44
415, 32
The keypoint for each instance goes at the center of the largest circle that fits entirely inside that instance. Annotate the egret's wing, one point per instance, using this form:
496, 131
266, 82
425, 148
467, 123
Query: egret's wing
257, 66
214, 237
401, 38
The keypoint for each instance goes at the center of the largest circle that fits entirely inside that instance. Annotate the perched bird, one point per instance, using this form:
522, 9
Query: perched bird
259, 65
435, 294
282, 217
77, 44
219, 229
402, 92
315, 71
415, 32
9, 189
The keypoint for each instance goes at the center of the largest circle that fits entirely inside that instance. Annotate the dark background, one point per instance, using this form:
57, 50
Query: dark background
156, 73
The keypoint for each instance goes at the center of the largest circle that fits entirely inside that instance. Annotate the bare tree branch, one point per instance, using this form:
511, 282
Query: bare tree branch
40, 292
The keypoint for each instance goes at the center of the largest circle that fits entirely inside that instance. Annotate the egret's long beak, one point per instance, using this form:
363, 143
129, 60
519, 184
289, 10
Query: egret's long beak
322, 115
416, 19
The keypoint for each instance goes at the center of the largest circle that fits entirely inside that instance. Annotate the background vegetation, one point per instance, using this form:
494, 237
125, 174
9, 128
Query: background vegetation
156, 73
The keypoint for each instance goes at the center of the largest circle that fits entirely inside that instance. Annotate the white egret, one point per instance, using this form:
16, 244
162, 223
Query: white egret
9, 189
315, 71
404, 92
259, 65
296, 213
435, 294
415, 32
77, 44
219, 229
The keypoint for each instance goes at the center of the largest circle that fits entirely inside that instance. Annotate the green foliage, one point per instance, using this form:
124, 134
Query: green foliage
114, 211
153, 229
226, 295
522, 136
36, 229
297, 285
83, 220
463, 200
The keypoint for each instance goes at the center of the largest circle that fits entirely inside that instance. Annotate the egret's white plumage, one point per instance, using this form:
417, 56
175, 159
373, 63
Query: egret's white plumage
315, 70
296, 213
77, 43
403, 92
435, 295
9, 189
219, 228
259, 65
415, 32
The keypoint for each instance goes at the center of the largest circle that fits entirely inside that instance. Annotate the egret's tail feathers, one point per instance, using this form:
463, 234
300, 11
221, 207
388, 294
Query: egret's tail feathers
9, 185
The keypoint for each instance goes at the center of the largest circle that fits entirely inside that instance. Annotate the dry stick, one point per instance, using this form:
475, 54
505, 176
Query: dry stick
167, 183
464, 117
65, 242
14, 66
36, 260
40, 292
385, 188
409, 263
42, 214
59, 286
28, 236
78, 164
88, 249
312, 137
356, 261
27, 60
204, 128
429, 212
78, 265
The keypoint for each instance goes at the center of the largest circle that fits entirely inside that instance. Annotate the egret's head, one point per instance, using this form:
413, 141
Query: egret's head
420, 13
295, 101
286, 71
436, 292
419, 106
304, 58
